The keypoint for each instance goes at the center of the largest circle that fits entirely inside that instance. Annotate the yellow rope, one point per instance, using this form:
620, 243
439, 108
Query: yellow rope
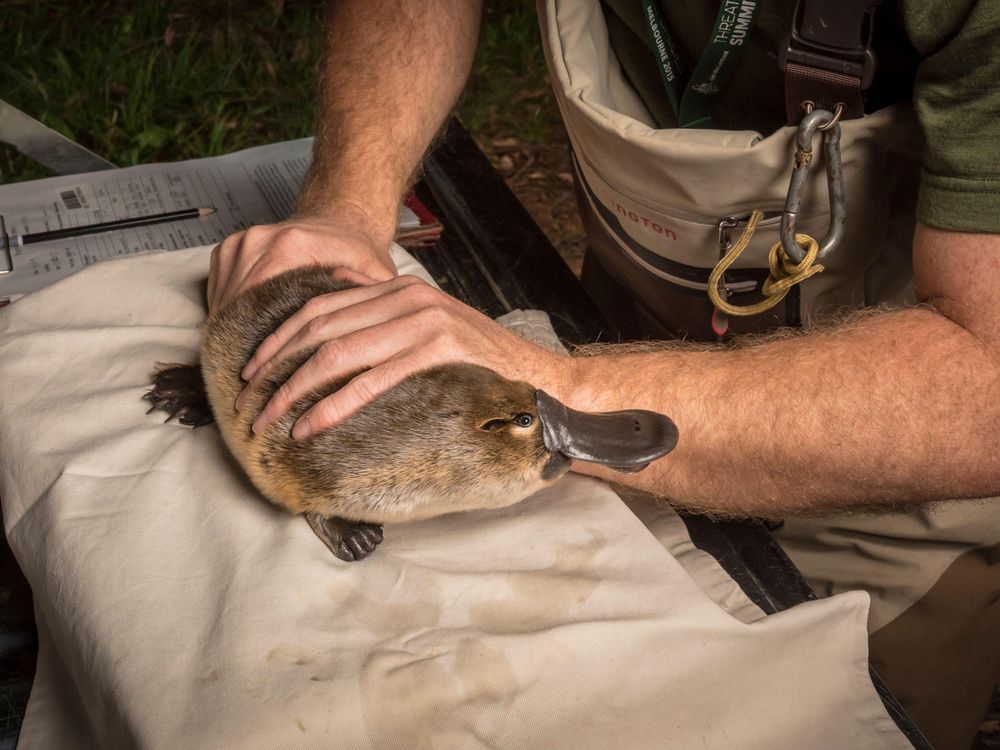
785, 272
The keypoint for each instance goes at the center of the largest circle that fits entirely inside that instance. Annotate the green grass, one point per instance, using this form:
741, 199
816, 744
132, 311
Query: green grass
508, 91
145, 81
149, 81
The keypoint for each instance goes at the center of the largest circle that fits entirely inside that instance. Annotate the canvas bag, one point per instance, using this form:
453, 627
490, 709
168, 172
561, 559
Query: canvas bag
653, 198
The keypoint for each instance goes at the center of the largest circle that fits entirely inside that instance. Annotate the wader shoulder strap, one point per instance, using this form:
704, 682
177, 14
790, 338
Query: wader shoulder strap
828, 57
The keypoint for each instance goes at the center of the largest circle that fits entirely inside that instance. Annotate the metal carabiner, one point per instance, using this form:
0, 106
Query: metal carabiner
816, 119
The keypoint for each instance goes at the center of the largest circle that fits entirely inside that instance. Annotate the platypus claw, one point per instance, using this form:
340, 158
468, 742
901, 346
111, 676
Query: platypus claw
348, 540
180, 391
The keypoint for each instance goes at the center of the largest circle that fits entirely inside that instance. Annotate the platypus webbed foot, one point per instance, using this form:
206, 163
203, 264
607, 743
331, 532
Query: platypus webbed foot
180, 391
348, 540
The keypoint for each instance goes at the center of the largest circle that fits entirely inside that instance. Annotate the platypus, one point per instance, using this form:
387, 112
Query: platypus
452, 438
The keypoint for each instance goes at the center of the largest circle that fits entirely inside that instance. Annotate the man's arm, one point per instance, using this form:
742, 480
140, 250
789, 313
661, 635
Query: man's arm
892, 408
895, 407
391, 73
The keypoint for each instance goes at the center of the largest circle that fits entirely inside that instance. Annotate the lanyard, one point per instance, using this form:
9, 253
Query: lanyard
693, 94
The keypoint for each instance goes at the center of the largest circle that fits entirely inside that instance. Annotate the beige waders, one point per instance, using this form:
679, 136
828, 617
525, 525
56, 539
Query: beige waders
660, 206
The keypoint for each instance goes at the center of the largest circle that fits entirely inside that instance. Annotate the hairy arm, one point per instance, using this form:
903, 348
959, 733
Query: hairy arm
391, 73
892, 408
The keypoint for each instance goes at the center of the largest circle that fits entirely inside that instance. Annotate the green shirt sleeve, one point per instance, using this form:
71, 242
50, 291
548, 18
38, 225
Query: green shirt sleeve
957, 97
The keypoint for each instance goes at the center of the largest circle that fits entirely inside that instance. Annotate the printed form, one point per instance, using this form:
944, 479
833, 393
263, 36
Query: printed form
254, 186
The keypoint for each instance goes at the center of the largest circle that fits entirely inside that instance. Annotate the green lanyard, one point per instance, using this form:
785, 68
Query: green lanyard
693, 94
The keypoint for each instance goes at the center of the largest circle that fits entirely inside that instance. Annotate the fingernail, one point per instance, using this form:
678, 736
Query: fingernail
301, 429
241, 399
260, 423
248, 371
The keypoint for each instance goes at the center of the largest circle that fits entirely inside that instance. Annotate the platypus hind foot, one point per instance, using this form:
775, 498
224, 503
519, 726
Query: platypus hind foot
348, 540
180, 391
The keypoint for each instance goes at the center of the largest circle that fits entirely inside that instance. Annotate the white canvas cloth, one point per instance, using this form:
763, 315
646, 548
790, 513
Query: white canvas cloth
177, 609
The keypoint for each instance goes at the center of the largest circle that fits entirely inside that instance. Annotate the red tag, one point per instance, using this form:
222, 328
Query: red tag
720, 322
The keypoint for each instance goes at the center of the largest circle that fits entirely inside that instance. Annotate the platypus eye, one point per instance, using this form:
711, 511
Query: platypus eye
521, 420
494, 424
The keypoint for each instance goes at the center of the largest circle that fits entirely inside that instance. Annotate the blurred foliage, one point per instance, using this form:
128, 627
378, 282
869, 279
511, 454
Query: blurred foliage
146, 81
151, 80
507, 90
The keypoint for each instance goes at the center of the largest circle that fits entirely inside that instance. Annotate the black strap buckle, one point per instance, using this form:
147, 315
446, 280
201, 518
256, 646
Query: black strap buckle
833, 35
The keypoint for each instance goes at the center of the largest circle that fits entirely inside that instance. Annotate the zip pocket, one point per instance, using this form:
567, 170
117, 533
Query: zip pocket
671, 270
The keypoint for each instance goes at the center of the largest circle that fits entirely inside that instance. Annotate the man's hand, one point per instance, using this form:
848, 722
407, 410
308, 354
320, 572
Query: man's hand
388, 330
343, 238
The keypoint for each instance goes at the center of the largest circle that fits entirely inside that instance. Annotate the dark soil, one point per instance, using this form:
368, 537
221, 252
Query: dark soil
540, 176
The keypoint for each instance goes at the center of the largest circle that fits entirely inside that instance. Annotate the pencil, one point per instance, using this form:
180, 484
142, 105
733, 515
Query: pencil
110, 226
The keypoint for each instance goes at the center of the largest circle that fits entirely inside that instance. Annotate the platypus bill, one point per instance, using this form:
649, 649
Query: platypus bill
455, 437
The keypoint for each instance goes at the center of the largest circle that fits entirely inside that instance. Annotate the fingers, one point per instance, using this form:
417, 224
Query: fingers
372, 347
213, 276
316, 321
343, 273
362, 389
249, 260
370, 268
221, 270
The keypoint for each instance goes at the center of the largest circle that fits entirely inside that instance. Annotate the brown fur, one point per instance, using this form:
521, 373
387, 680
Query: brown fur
418, 450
